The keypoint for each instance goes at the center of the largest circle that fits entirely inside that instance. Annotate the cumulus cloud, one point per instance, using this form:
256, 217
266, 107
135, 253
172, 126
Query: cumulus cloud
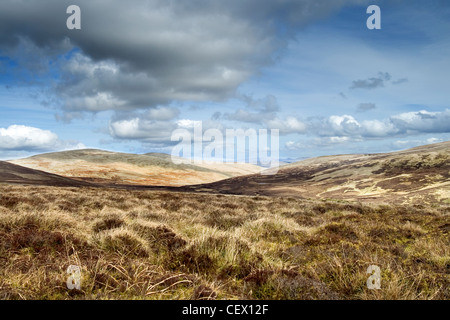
336, 129
405, 123
423, 121
158, 132
334, 126
24, 138
288, 125
377, 128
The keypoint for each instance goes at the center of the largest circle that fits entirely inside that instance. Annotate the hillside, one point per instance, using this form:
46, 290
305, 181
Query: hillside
150, 169
14, 174
420, 174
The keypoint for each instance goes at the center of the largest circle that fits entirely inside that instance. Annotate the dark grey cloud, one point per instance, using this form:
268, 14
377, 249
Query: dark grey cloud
372, 83
216, 116
342, 95
141, 54
261, 110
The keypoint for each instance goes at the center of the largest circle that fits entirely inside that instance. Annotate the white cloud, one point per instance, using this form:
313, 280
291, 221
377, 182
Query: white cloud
433, 140
20, 137
289, 125
404, 123
336, 140
188, 124
142, 129
423, 121
336, 129
406, 144
345, 124
376, 128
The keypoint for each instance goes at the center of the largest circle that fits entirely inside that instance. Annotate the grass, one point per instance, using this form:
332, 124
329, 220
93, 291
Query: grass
163, 245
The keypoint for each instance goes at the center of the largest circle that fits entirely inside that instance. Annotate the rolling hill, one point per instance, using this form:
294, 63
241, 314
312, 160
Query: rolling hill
420, 174
152, 169
14, 174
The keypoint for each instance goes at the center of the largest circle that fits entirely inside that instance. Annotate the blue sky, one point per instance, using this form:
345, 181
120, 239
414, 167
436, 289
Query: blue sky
311, 69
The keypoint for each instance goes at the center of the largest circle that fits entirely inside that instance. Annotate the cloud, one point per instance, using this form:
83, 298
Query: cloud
342, 95
409, 123
362, 107
216, 116
372, 83
162, 113
335, 129
400, 81
287, 126
267, 104
406, 144
266, 109
158, 132
266, 115
423, 122
334, 126
151, 126
378, 129
23, 138
319, 142
150, 53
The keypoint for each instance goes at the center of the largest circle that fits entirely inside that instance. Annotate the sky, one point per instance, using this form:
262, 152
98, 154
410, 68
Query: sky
137, 71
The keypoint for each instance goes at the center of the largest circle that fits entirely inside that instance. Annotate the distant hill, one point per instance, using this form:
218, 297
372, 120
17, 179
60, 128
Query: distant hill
11, 173
420, 174
152, 169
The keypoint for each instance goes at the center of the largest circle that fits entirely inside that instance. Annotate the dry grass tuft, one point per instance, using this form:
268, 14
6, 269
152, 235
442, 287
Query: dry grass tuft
168, 245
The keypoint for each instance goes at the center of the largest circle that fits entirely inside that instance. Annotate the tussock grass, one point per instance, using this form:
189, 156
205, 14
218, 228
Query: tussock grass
163, 245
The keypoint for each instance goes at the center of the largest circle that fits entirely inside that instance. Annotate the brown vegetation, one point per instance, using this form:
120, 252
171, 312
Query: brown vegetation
415, 176
168, 245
